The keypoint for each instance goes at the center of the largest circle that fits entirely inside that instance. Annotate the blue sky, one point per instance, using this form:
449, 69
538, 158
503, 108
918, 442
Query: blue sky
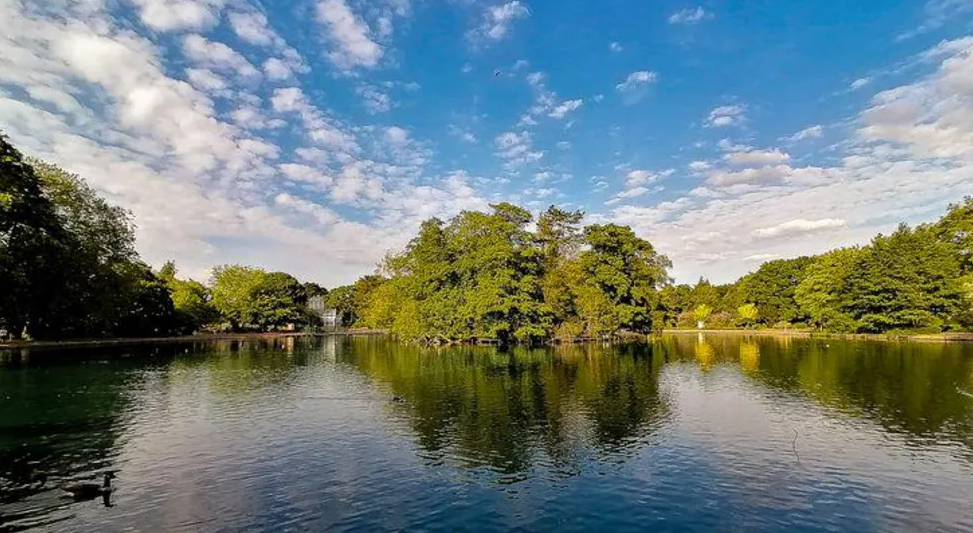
313, 136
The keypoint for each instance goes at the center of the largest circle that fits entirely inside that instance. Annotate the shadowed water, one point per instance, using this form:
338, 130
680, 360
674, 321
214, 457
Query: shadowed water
689, 433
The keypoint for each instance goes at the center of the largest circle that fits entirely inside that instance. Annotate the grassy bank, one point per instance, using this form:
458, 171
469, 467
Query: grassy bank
809, 333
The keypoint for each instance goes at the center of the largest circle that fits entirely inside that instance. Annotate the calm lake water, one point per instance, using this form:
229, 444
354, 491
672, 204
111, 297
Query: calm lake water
691, 433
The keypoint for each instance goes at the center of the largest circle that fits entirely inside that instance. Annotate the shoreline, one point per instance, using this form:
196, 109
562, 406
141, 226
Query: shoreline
812, 334
95, 343
796, 333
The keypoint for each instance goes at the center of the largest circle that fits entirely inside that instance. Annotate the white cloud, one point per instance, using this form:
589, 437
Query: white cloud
727, 115
276, 69
615, 47
637, 178
690, 16
812, 132
799, 226
859, 83
629, 194
760, 258
217, 56
349, 35
317, 127
205, 80
252, 118
757, 157
516, 149
561, 110
252, 27
171, 15
909, 156
636, 80
764, 175
306, 174
396, 135
497, 20
203, 186
698, 166
932, 117
374, 100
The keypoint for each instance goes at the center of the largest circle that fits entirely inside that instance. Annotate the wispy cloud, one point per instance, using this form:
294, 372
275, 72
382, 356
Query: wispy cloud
811, 132
636, 81
497, 20
726, 115
690, 16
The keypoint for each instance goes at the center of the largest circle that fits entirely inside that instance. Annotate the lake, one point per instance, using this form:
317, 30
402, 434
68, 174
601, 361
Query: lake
688, 433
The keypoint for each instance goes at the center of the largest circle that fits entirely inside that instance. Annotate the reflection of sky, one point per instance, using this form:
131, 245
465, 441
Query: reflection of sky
848, 466
218, 446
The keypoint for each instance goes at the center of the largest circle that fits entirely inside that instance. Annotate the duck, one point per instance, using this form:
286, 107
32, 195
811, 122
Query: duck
397, 399
89, 491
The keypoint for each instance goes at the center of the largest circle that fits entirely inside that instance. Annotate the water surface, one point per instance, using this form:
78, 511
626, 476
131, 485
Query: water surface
690, 433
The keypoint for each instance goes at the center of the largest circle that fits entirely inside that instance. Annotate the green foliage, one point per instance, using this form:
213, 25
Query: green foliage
955, 228
623, 274
252, 299
191, 300
823, 294
771, 288
343, 299
483, 275
68, 259
905, 280
32, 246
702, 312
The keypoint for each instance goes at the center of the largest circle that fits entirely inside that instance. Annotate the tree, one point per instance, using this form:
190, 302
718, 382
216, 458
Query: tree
32, 246
147, 308
190, 299
908, 279
251, 298
484, 275
343, 300
823, 295
627, 271
955, 228
701, 313
747, 315
704, 293
559, 234
771, 288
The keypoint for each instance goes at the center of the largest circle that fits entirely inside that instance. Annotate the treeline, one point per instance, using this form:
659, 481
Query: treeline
486, 276
915, 280
69, 269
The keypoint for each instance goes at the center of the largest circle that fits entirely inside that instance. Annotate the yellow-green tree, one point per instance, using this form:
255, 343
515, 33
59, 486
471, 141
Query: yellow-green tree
701, 313
748, 315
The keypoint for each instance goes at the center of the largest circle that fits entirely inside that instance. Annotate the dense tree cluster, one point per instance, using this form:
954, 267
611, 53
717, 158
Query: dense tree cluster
487, 276
914, 279
69, 269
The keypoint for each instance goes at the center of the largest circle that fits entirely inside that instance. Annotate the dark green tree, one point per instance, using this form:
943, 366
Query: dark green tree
32, 247
190, 299
622, 276
906, 280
